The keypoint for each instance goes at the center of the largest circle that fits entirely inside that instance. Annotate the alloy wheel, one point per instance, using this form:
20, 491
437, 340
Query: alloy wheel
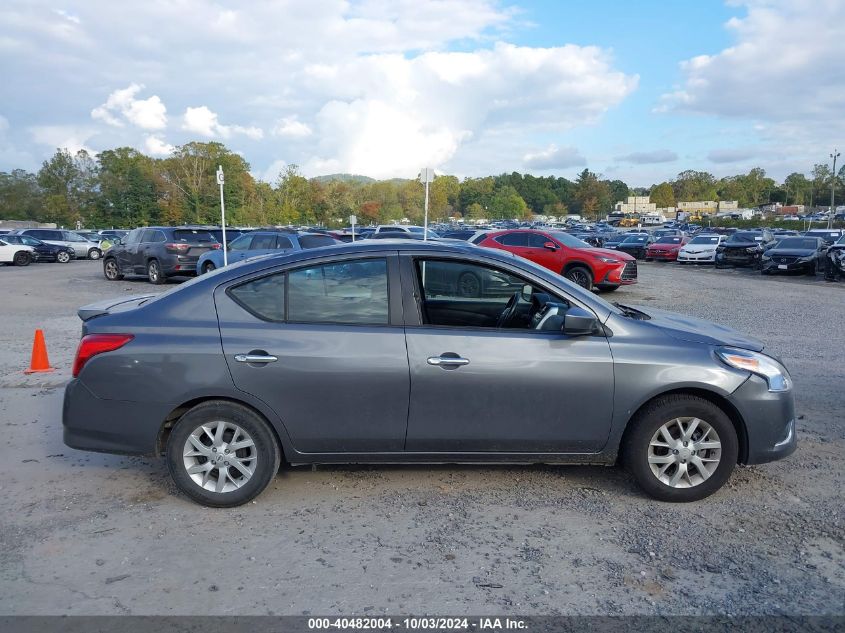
111, 269
220, 456
579, 276
63, 257
684, 452
95, 254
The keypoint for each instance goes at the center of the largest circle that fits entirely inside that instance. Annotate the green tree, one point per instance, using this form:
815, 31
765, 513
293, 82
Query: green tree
506, 203
692, 186
662, 195
21, 197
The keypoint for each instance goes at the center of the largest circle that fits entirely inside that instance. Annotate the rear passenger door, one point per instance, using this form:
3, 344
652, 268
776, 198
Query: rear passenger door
323, 345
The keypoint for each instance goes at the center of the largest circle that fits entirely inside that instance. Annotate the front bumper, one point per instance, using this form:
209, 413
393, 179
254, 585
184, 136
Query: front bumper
774, 267
110, 426
709, 257
747, 259
662, 256
769, 421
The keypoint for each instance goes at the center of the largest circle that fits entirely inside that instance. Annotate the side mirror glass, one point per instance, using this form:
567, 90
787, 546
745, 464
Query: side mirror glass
579, 322
527, 292
550, 245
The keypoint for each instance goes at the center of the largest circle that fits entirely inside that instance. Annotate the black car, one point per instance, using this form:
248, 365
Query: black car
828, 235
42, 251
744, 248
462, 234
795, 254
834, 261
158, 252
636, 245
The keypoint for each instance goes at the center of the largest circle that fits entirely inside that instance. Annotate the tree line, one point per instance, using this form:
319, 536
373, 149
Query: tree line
122, 187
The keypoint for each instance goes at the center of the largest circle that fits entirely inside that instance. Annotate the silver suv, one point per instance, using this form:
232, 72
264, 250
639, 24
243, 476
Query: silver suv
84, 249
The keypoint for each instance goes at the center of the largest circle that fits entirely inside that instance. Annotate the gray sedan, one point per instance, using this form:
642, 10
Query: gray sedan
361, 353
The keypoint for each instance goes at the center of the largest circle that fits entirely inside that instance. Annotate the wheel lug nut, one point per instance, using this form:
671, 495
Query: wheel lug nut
225, 463
226, 451
685, 443
214, 449
675, 452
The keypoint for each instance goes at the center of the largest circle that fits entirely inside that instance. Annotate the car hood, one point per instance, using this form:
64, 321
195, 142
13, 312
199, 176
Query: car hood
687, 328
699, 247
793, 252
665, 247
606, 252
741, 244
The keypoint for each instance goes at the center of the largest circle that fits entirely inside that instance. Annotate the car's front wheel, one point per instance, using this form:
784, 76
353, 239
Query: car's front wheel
681, 448
222, 454
111, 270
580, 275
207, 267
95, 253
63, 257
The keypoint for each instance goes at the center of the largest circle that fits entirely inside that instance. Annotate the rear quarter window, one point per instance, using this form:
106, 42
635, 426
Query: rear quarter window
264, 297
315, 241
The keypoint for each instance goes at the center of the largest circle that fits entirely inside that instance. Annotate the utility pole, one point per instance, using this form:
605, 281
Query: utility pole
834, 156
222, 214
426, 177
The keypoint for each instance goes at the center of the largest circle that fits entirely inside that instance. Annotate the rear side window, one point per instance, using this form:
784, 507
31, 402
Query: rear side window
263, 242
352, 292
283, 242
148, 236
193, 235
315, 241
513, 239
391, 229
265, 297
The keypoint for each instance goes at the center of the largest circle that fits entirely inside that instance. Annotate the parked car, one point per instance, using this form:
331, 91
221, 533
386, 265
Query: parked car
614, 240
795, 254
700, 250
828, 235
550, 373
744, 248
403, 228
666, 249
636, 245
158, 252
568, 256
261, 242
461, 234
84, 249
834, 261
667, 232
231, 233
41, 251
113, 234
15, 254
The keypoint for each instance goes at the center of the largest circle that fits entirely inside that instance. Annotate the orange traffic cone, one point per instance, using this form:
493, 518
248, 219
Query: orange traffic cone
39, 362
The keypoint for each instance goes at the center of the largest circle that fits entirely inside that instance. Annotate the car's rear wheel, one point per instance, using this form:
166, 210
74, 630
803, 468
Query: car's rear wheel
207, 267
681, 448
222, 454
95, 253
469, 285
22, 258
63, 257
154, 273
111, 270
580, 275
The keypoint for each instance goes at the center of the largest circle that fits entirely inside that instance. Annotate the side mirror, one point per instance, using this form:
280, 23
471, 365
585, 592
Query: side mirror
550, 245
579, 322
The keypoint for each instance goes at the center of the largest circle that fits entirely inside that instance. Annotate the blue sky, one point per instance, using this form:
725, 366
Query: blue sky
632, 90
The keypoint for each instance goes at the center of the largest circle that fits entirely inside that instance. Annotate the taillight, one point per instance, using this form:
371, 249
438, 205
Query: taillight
216, 246
178, 247
94, 344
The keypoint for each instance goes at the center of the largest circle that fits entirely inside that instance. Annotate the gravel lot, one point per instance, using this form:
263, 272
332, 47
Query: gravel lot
83, 533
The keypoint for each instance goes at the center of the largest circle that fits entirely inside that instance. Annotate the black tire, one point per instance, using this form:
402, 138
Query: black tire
207, 267
22, 258
718, 265
661, 411
63, 257
648, 259
580, 275
95, 254
608, 288
154, 273
765, 271
469, 285
267, 453
111, 269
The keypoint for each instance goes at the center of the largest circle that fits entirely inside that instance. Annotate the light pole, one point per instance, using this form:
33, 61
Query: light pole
426, 177
220, 181
834, 156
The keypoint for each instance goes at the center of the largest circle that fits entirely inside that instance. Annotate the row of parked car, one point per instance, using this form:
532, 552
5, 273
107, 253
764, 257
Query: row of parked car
21, 247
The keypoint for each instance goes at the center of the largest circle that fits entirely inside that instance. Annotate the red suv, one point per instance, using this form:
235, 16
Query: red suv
567, 255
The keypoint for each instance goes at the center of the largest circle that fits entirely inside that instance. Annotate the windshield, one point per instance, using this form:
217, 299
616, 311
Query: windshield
705, 239
669, 240
569, 240
192, 235
804, 243
745, 237
636, 239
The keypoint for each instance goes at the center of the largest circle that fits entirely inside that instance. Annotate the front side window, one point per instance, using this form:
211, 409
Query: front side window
240, 244
352, 292
263, 242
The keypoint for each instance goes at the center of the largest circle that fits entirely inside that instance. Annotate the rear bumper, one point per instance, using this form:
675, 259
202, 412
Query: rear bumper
769, 421
181, 265
110, 426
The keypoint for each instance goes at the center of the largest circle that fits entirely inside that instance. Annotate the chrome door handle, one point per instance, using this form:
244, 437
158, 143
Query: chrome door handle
441, 361
255, 358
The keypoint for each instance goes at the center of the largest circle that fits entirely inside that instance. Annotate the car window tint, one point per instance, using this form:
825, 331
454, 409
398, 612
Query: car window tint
264, 297
133, 236
315, 241
283, 242
535, 240
263, 242
513, 239
148, 236
353, 292
391, 229
193, 235
240, 244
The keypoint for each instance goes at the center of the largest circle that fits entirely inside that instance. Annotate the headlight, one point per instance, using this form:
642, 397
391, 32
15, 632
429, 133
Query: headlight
765, 257
775, 374
608, 260
753, 249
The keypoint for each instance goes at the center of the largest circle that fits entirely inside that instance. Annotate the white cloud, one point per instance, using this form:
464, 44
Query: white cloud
68, 16
554, 157
203, 121
157, 146
147, 114
69, 137
291, 127
649, 157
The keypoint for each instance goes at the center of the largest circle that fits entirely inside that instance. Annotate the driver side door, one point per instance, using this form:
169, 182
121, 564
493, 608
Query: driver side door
476, 387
